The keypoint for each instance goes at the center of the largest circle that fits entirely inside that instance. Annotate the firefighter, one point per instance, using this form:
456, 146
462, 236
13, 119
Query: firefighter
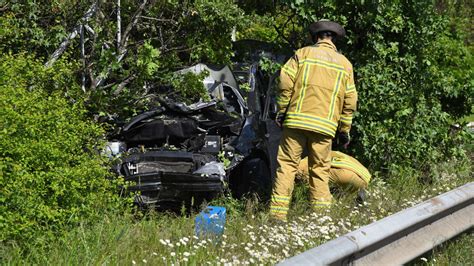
345, 171
316, 99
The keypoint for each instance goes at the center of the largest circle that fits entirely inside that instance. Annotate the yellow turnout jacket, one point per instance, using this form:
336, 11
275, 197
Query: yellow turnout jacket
317, 90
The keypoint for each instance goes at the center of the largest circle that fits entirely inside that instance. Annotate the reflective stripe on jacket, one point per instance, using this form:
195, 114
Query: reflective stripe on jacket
317, 90
344, 161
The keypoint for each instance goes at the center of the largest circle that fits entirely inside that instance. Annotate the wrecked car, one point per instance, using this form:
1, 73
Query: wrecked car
183, 153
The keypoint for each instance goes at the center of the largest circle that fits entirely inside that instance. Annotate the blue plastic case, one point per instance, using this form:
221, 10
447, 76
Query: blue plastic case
210, 222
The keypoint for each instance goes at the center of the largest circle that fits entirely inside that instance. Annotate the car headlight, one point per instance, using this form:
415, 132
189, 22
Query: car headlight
114, 148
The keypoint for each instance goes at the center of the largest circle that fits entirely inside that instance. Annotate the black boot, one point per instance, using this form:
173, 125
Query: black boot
361, 196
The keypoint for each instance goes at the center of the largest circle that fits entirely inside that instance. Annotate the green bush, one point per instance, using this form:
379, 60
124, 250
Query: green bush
168, 36
189, 86
412, 60
410, 69
51, 175
413, 70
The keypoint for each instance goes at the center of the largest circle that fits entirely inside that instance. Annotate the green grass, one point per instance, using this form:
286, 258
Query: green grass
457, 251
250, 237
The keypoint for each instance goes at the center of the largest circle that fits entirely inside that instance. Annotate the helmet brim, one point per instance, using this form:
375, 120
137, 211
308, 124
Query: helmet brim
322, 26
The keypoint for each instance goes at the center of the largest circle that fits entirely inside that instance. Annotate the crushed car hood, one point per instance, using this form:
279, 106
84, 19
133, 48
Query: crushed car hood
176, 152
182, 153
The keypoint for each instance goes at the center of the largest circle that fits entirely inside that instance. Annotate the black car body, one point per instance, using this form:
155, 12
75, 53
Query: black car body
182, 154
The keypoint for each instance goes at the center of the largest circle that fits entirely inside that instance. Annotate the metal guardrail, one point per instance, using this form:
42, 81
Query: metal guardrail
401, 237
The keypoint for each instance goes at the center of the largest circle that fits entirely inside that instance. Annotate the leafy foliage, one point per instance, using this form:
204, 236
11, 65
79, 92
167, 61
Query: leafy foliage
157, 39
268, 65
413, 73
190, 86
39, 27
51, 175
412, 59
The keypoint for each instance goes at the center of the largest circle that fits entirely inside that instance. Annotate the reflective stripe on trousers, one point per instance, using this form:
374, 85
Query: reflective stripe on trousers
292, 144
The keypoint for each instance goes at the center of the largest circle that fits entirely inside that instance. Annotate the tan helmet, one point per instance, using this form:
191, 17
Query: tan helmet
327, 25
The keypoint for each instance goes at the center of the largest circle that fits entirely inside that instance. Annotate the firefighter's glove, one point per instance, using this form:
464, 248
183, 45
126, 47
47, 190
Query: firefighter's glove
280, 117
344, 139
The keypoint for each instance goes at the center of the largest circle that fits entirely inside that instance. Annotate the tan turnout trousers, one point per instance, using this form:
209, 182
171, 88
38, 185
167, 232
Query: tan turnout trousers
292, 144
317, 95
341, 177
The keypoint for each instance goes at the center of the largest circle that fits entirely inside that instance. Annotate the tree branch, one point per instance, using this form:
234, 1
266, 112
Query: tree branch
122, 49
161, 19
5, 7
62, 47
132, 24
83, 56
119, 25
122, 84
